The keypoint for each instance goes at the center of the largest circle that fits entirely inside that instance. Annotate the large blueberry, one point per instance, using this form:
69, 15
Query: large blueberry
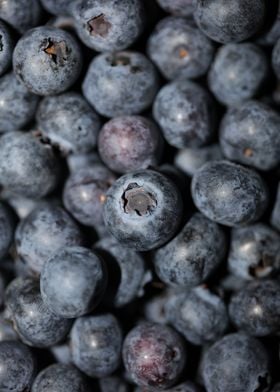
22, 15
6, 47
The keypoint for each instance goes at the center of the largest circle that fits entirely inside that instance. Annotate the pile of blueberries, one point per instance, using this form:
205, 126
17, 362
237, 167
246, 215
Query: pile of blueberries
139, 195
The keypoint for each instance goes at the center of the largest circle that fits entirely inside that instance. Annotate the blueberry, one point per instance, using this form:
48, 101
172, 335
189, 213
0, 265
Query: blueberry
237, 73
113, 384
69, 122
7, 227
143, 209
254, 252
36, 325
192, 255
130, 143
60, 378
155, 308
189, 160
58, 7
96, 343
43, 232
28, 167
7, 331
17, 367
109, 25
130, 265
229, 194
236, 363
200, 316
85, 193
73, 281
180, 49
47, 60
154, 355
182, 109
187, 386
18, 105
229, 22
6, 47
249, 134
177, 7
22, 15
271, 34
121, 83
79, 161
255, 308
275, 216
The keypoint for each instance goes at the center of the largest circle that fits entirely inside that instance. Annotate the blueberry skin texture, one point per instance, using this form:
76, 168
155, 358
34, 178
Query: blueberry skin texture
183, 111
47, 60
247, 360
43, 232
113, 384
254, 252
255, 308
249, 134
177, 7
237, 73
85, 193
228, 193
179, 49
69, 122
110, 25
226, 22
187, 386
22, 15
60, 378
130, 143
154, 355
200, 316
189, 160
28, 166
94, 351
36, 325
121, 83
7, 228
73, 281
189, 258
18, 105
17, 367
6, 47
132, 269
58, 7
143, 210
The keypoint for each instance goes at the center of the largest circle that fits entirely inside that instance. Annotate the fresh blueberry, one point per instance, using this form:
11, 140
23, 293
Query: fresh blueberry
249, 134
254, 252
229, 194
183, 111
18, 105
79, 161
130, 143
237, 73
58, 7
22, 15
47, 60
234, 363
44, 232
109, 25
96, 343
143, 209
7, 331
28, 167
155, 308
154, 355
60, 378
187, 386
6, 47
180, 49
255, 308
113, 384
189, 160
232, 21
17, 367
85, 193
130, 265
192, 255
200, 316
7, 227
177, 7
275, 216
69, 122
121, 83
73, 281
36, 325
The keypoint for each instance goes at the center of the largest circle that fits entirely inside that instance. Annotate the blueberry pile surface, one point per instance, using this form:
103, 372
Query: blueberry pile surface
139, 195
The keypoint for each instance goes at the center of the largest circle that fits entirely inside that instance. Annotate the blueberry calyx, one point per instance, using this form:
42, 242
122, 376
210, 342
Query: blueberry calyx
57, 51
139, 200
99, 26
